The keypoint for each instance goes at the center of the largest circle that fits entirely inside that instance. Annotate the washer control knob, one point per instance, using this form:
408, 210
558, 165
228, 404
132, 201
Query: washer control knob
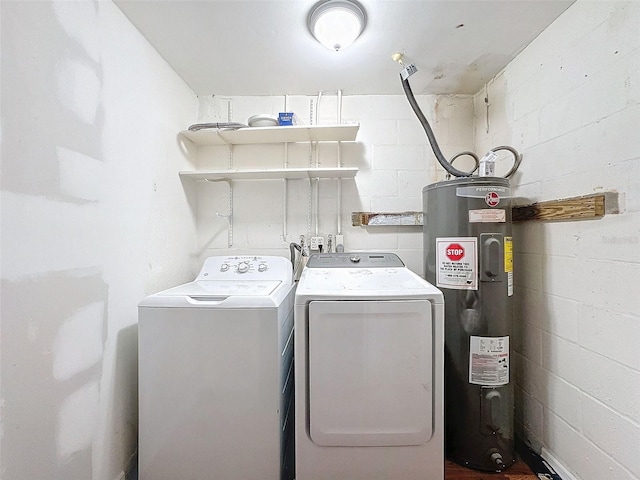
262, 267
354, 259
224, 267
243, 267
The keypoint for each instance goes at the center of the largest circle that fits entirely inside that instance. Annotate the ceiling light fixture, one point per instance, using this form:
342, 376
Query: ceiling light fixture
337, 23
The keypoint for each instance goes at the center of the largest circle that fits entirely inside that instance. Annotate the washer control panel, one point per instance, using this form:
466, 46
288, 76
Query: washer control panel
245, 267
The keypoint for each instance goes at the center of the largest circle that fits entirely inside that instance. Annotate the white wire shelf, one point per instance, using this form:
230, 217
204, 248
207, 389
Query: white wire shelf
284, 134
270, 174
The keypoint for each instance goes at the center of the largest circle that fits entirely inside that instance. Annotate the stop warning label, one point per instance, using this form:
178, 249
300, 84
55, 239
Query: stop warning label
457, 263
454, 252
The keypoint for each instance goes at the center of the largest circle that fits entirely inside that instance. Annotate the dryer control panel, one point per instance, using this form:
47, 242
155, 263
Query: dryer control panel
354, 260
246, 267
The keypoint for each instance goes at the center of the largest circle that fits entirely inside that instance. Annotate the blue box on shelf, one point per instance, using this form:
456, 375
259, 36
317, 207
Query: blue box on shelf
285, 118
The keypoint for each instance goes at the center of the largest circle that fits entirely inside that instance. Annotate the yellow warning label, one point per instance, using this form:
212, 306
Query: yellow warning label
508, 254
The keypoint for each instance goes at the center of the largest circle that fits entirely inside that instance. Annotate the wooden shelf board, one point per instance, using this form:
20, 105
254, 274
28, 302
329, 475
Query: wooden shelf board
361, 219
585, 207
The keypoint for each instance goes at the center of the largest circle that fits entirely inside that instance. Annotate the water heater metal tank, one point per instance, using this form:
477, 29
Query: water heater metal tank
468, 255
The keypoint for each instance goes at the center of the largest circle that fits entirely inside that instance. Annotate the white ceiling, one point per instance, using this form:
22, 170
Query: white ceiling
263, 47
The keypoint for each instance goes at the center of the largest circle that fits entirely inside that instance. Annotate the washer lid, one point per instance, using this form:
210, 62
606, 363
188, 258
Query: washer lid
224, 288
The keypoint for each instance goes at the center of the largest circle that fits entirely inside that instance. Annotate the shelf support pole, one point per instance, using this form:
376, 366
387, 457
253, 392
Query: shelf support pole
339, 180
285, 182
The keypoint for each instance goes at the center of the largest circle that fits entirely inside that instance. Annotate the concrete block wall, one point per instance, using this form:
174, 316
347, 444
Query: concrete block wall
94, 218
391, 152
570, 102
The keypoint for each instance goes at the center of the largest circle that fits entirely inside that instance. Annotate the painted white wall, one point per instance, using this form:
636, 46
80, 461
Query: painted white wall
391, 151
571, 103
94, 217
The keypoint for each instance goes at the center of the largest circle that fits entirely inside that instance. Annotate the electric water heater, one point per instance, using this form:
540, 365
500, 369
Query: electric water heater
468, 255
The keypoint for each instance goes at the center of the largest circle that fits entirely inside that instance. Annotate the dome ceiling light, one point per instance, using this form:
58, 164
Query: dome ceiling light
336, 24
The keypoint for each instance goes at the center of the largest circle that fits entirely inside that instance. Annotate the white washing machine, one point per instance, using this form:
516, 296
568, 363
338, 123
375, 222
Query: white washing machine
369, 341
216, 374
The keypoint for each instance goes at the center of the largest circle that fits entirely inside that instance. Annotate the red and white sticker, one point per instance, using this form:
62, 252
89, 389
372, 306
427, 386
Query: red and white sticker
489, 360
457, 263
488, 215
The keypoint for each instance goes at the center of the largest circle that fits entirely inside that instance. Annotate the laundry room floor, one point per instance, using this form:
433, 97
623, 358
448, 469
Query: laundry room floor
518, 471
452, 471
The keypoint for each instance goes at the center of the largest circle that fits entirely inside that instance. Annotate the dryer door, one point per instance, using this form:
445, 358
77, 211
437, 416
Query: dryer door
370, 373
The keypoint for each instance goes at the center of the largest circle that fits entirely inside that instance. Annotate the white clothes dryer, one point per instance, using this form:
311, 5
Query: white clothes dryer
216, 374
369, 342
